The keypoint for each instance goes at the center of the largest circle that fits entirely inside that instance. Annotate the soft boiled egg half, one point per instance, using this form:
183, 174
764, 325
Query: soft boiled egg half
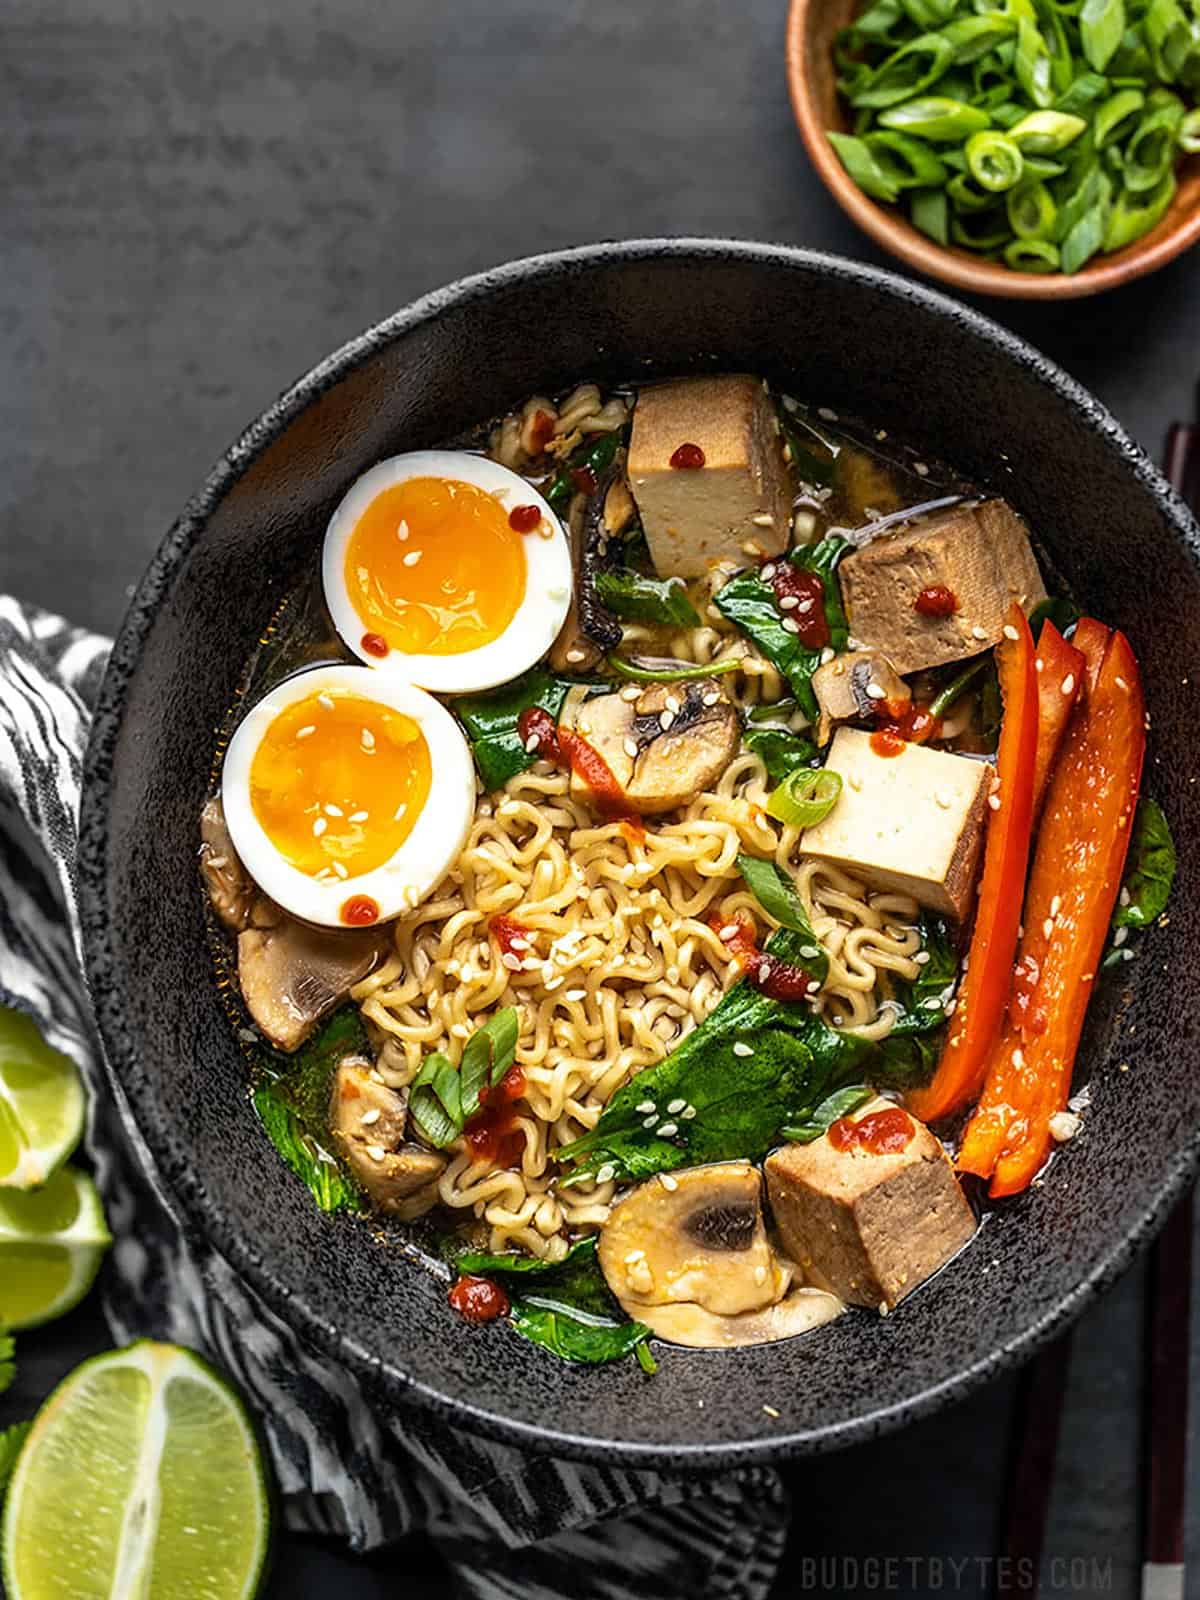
446, 569
348, 795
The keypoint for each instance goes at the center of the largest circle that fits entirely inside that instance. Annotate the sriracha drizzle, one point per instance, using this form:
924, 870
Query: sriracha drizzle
879, 1133
478, 1300
804, 593
936, 601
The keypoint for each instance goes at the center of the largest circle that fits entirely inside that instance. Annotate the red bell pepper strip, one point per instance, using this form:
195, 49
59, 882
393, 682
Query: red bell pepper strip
1076, 875
1061, 669
983, 993
1091, 639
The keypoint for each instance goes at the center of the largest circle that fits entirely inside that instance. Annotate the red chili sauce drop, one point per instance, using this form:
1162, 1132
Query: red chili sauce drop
779, 980
478, 1299
524, 519
360, 911
879, 1133
585, 480
903, 722
588, 764
492, 1134
936, 601
688, 458
807, 589
542, 431
374, 644
512, 936
537, 724
737, 934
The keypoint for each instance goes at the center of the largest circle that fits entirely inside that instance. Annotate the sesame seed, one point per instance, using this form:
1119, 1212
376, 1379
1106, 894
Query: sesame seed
770, 1411
646, 1105
576, 656
668, 1130
994, 801
669, 1183
1120, 937
876, 691
630, 747
1056, 905
827, 414
359, 816
804, 603
673, 704
1120, 683
399, 811
630, 693
921, 470
1064, 1125
306, 733
1010, 632
319, 827
752, 548
606, 1173
760, 1273
634, 1257
553, 983
742, 1049
712, 698
411, 559
513, 963
676, 1106
1068, 683
531, 744
340, 869
368, 739
575, 994
370, 1118
729, 931
789, 602
376, 1152
402, 531
921, 958
688, 1113
666, 718
978, 633
790, 625
650, 1121
325, 700
768, 572
1048, 927
1018, 1058
763, 519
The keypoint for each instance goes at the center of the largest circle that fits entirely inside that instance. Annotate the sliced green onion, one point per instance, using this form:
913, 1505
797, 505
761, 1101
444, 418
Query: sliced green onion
935, 117
1083, 94
1032, 255
863, 167
909, 163
1093, 189
1114, 113
973, 37
1042, 167
966, 197
1006, 114
660, 670
1133, 215
1189, 133
805, 796
930, 211
1045, 133
1033, 64
1085, 238
991, 233
775, 711
994, 161
956, 688
1031, 211
1101, 28
902, 75
1151, 149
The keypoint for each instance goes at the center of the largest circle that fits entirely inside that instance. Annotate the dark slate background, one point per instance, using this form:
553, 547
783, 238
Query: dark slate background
197, 201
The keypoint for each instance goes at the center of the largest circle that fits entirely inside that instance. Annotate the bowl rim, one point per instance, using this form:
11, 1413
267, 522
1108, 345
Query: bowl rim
896, 235
387, 1382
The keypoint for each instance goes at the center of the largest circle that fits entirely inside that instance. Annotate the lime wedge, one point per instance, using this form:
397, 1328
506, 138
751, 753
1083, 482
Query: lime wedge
51, 1243
141, 1478
41, 1104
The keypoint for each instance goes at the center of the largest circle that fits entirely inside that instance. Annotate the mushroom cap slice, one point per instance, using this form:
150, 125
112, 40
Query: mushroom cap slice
291, 974
800, 1310
664, 748
693, 1236
852, 686
367, 1119
231, 890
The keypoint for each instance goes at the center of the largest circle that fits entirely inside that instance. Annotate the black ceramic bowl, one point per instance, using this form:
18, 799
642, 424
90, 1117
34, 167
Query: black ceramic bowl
855, 339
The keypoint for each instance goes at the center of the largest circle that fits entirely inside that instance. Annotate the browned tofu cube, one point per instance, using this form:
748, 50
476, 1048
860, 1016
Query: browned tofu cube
912, 822
737, 506
869, 1225
980, 553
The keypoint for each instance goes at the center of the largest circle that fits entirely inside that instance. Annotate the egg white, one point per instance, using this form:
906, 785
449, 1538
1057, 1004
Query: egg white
433, 845
548, 580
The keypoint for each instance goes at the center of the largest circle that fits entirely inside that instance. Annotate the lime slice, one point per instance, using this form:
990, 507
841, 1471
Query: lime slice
141, 1478
41, 1104
51, 1243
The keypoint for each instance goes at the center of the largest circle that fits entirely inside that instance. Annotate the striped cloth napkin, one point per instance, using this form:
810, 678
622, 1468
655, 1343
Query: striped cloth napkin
509, 1524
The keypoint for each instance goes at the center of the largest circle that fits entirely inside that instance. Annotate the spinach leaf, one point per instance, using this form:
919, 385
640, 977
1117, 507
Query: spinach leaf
750, 605
491, 722
292, 1103
567, 1308
909, 1054
444, 1098
813, 456
11, 1440
776, 895
7, 1365
1149, 871
839, 1104
779, 750
636, 598
595, 454
823, 559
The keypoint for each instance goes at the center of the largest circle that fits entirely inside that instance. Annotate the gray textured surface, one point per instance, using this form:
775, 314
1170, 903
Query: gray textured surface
199, 201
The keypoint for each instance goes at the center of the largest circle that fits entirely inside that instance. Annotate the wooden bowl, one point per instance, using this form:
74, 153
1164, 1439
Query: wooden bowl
812, 25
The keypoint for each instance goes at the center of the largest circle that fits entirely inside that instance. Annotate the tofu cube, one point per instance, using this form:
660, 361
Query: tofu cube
869, 1225
912, 822
738, 505
980, 552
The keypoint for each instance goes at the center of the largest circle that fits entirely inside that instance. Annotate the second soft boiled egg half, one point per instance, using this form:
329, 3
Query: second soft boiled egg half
348, 795
447, 569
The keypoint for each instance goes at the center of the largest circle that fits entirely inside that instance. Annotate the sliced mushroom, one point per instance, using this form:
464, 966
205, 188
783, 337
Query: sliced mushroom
368, 1119
801, 1309
664, 748
292, 975
590, 629
693, 1239
853, 686
231, 890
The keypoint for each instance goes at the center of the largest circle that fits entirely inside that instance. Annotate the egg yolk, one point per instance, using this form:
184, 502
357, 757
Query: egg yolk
434, 567
338, 782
